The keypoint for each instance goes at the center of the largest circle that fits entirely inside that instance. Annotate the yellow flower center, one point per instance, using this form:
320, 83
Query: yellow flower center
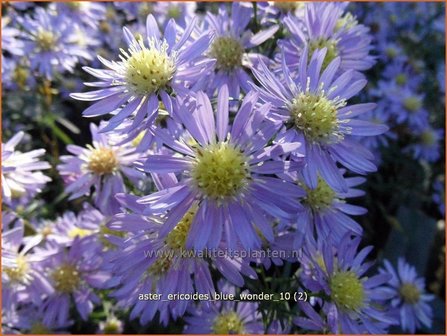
74, 5
148, 69
66, 278
401, 79
18, 273
112, 326
45, 40
220, 170
315, 116
145, 9
78, 232
428, 138
412, 104
410, 293
173, 12
320, 43
347, 290
289, 6
176, 239
228, 323
102, 161
228, 53
321, 197
20, 75
39, 328
103, 231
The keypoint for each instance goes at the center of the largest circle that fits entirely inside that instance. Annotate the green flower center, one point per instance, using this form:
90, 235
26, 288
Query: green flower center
412, 104
347, 290
321, 197
173, 12
149, 69
176, 239
112, 326
74, 5
228, 323
145, 9
39, 328
391, 52
401, 79
103, 231
315, 116
18, 273
102, 161
45, 40
66, 278
289, 6
220, 170
228, 53
78, 232
320, 43
410, 293
428, 138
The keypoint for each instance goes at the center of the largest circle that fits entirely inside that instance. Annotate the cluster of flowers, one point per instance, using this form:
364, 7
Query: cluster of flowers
229, 130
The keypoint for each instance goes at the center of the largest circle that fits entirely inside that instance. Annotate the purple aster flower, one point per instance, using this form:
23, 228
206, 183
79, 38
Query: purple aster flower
135, 10
73, 274
10, 39
407, 106
409, 297
351, 301
325, 25
21, 175
181, 12
402, 74
151, 69
225, 317
50, 43
229, 172
231, 48
102, 165
313, 107
439, 194
273, 11
428, 145
20, 267
88, 13
326, 212
146, 262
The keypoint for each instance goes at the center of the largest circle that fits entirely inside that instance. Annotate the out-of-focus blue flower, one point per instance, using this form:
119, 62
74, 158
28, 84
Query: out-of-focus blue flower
73, 274
151, 69
270, 12
409, 297
181, 12
427, 146
50, 43
102, 165
230, 171
21, 172
88, 13
231, 48
325, 25
224, 317
352, 300
313, 107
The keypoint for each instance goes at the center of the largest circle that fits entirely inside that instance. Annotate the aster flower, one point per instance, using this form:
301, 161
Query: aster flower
181, 12
151, 69
87, 12
407, 106
313, 107
228, 172
50, 43
101, 165
10, 39
225, 317
231, 48
274, 11
73, 274
326, 212
409, 297
146, 262
20, 271
428, 145
351, 300
21, 175
325, 25
135, 10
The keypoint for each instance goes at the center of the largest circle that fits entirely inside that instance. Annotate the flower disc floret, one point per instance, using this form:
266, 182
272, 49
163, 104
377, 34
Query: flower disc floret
347, 290
320, 43
176, 239
148, 70
409, 293
228, 323
18, 273
228, 52
46, 40
412, 104
220, 170
66, 278
102, 161
321, 197
315, 116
